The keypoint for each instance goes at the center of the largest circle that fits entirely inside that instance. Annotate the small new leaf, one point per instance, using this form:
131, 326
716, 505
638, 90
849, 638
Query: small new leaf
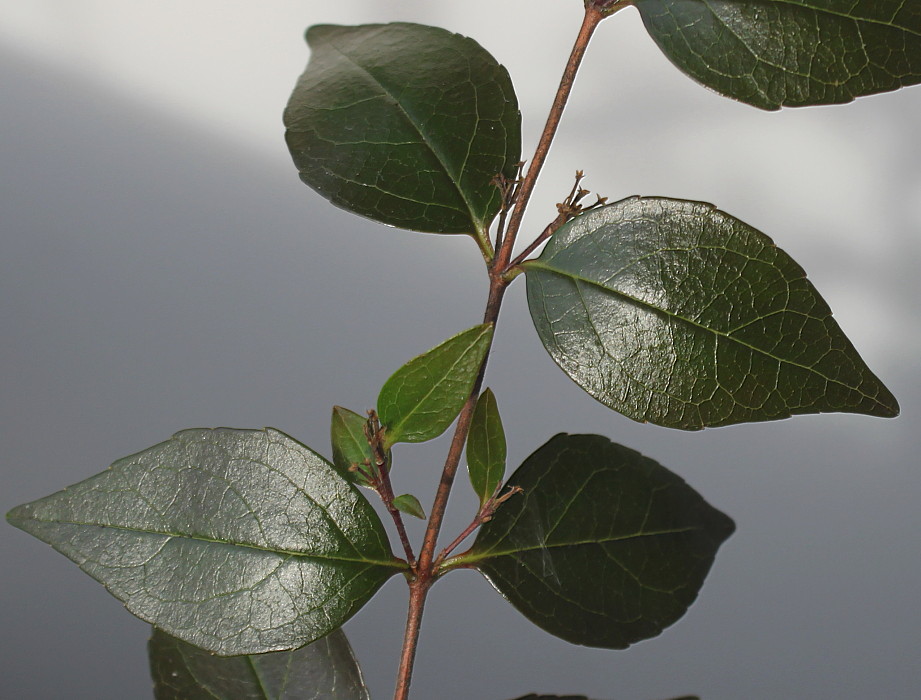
676, 313
237, 541
405, 124
604, 547
486, 449
323, 670
409, 504
422, 398
790, 53
351, 448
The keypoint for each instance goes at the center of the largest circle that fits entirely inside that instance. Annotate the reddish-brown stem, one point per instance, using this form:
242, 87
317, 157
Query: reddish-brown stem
589, 23
477, 521
385, 490
483, 515
425, 571
417, 594
545, 234
378, 474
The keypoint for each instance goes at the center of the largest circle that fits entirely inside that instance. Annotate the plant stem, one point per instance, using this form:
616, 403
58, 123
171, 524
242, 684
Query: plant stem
469, 530
385, 489
417, 595
425, 573
552, 228
425, 570
589, 23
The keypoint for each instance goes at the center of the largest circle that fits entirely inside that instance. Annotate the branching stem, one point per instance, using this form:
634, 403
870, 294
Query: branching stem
377, 471
568, 209
589, 23
484, 515
386, 492
426, 572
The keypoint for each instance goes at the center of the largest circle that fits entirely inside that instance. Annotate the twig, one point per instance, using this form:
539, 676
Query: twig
425, 570
590, 22
380, 480
509, 191
568, 209
484, 515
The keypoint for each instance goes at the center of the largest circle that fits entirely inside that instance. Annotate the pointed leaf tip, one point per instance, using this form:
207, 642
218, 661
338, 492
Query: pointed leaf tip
237, 541
675, 313
486, 448
409, 504
422, 398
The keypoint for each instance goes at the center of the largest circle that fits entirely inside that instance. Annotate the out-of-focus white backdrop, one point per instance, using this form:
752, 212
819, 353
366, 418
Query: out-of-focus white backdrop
161, 267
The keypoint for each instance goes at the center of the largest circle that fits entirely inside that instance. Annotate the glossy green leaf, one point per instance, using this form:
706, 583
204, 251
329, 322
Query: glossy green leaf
675, 313
790, 53
409, 504
486, 447
237, 541
422, 398
350, 444
323, 670
405, 124
605, 547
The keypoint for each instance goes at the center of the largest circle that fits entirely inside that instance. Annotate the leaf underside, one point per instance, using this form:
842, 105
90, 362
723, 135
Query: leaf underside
323, 670
237, 541
404, 124
676, 313
604, 547
777, 53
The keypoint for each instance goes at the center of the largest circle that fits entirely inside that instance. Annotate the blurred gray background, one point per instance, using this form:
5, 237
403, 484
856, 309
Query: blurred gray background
162, 267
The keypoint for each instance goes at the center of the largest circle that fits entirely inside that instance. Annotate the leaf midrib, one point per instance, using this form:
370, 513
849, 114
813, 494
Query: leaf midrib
540, 265
492, 554
251, 664
474, 219
820, 11
394, 564
396, 430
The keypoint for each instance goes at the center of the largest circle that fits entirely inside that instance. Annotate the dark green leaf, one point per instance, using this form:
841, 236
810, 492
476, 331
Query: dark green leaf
421, 400
534, 696
405, 124
323, 670
407, 503
675, 313
350, 445
486, 447
777, 53
605, 547
238, 541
